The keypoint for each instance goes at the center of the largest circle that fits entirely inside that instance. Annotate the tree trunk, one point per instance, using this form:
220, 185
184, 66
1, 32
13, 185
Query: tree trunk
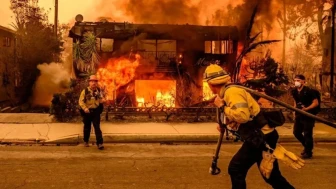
324, 36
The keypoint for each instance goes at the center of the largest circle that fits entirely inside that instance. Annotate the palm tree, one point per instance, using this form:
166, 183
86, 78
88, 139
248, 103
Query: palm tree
249, 46
78, 56
85, 54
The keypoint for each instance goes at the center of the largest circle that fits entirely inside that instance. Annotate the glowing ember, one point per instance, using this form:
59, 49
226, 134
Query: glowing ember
207, 93
155, 92
117, 73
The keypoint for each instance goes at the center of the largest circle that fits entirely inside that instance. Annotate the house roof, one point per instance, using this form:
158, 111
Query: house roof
124, 30
7, 29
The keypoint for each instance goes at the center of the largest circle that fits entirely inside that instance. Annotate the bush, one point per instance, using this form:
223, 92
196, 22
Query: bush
65, 106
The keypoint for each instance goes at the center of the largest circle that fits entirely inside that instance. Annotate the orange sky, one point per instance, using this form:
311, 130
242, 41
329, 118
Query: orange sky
68, 9
91, 9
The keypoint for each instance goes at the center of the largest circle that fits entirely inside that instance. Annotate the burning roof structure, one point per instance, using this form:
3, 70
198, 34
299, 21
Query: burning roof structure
125, 30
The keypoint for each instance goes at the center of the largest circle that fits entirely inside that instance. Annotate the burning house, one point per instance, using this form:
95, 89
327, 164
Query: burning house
157, 64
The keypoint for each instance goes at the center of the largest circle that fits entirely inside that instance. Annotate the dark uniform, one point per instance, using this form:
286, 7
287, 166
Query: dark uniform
243, 114
303, 126
91, 100
242, 108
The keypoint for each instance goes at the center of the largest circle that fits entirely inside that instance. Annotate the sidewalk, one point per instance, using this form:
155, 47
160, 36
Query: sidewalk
71, 133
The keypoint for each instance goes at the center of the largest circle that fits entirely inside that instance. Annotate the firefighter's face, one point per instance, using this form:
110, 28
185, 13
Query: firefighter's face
93, 84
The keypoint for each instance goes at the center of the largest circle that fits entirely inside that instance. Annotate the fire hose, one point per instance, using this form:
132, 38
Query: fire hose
251, 91
214, 170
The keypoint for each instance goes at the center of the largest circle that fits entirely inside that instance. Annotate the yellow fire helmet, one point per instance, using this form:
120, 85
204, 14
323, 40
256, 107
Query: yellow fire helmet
216, 75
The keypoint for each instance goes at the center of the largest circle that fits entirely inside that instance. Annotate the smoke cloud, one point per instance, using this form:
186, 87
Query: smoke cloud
240, 15
53, 79
157, 11
184, 11
163, 11
200, 12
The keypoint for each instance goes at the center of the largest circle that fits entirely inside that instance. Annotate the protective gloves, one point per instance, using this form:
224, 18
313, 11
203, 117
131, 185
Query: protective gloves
266, 165
288, 157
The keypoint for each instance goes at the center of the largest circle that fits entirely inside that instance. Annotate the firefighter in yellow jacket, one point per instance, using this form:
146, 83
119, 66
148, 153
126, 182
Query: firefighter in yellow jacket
91, 106
260, 140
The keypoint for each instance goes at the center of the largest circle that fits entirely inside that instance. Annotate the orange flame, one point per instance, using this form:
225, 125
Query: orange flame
155, 92
117, 73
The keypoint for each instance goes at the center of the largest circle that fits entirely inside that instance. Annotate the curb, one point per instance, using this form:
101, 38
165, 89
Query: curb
155, 138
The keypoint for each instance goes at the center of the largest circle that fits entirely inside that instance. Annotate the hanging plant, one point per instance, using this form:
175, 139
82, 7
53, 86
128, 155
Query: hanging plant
85, 55
90, 53
78, 56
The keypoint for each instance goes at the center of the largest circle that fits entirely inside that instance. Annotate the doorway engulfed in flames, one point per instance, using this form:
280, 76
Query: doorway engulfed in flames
120, 73
155, 93
117, 73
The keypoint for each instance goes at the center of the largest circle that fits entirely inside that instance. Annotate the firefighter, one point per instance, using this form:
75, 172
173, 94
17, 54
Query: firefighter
260, 140
91, 106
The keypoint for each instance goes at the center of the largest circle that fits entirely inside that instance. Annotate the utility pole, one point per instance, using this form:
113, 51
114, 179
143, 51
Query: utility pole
284, 34
56, 17
332, 65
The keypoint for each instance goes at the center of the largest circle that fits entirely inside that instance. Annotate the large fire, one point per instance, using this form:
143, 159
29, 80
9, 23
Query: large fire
121, 71
207, 93
155, 93
118, 72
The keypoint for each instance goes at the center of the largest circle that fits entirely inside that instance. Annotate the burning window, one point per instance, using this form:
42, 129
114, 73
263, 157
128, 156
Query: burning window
147, 45
166, 45
162, 50
218, 47
207, 93
227, 47
155, 92
215, 47
207, 48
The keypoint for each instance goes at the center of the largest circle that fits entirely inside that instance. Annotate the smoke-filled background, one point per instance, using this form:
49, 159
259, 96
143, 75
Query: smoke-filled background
201, 12
212, 12
182, 11
157, 11
54, 78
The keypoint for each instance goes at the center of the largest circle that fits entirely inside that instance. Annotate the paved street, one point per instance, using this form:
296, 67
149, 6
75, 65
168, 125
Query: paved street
146, 166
